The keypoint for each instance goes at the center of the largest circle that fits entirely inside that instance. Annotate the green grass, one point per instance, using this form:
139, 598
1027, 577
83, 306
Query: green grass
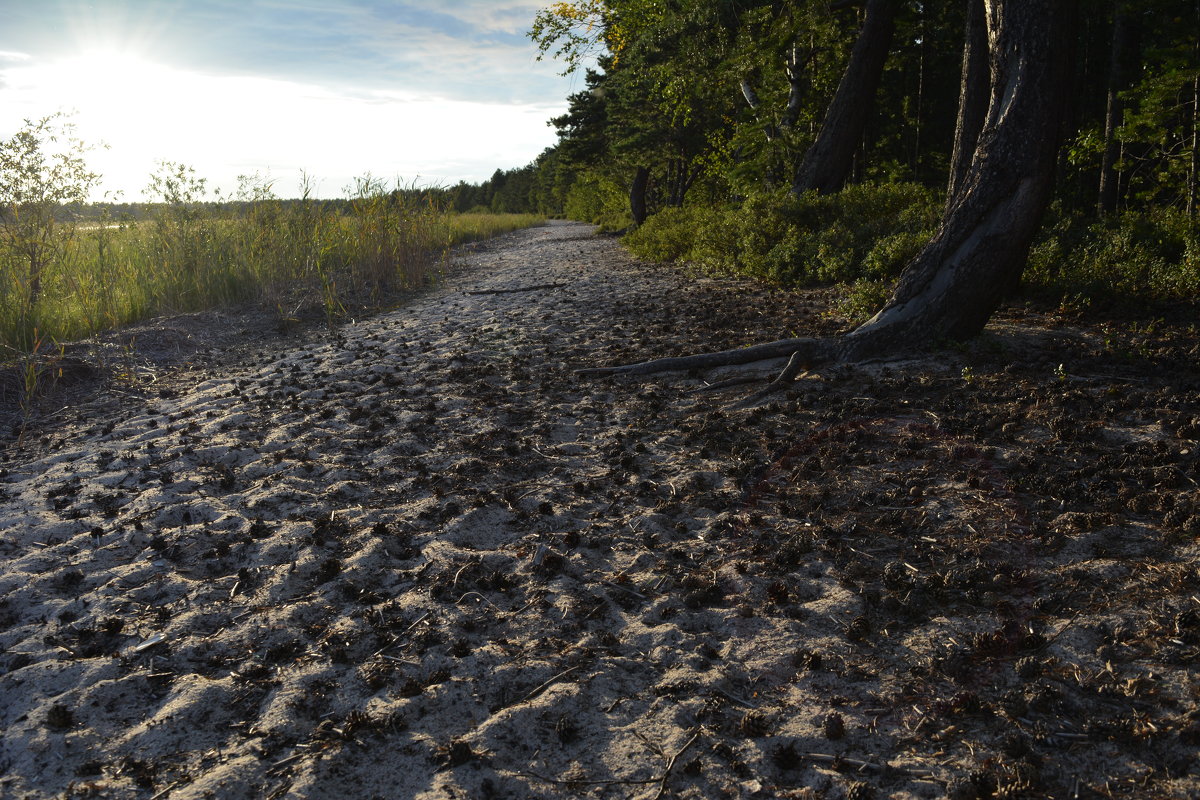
189, 256
474, 227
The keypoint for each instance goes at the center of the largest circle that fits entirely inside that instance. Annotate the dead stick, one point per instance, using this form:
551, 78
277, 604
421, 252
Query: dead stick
582, 781
519, 289
853, 762
725, 384
662, 785
539, 689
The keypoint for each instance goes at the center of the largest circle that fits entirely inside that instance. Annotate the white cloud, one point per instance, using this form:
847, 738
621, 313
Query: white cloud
438, 90
225, 126
507, 16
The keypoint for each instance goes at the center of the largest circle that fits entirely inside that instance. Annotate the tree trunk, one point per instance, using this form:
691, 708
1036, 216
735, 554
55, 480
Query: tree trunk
1194, 170
828, 162
637, 195
1195, 167
953, 286
972, 97
1124, 40
792, 68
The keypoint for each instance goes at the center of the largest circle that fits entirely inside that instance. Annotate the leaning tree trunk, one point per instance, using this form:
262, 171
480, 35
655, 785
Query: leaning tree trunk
827, 164
951, 289
1124, 47
972, 97
637, 195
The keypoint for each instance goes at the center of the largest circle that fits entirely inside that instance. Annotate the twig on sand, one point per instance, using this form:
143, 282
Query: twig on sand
169, 788
841, 761
636, 594
534, 288
662, 784
572, 781
542, 687
725, 384
661, 780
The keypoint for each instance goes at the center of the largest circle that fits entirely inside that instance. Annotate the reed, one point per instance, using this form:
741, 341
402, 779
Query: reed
189, 254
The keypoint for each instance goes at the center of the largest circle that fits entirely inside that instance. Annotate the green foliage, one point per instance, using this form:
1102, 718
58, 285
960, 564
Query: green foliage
862, 298
42, 170
670, 235
1133, 257
190, 252
721, 100
867, 231
600, 200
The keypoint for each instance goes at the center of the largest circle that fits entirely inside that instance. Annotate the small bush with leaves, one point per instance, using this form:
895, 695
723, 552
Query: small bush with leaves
865, 231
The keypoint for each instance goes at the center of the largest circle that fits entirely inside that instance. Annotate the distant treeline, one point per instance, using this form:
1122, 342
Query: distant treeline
532, 189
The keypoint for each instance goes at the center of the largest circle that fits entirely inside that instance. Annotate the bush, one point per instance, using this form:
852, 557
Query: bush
1148, 256
599, 200
670, 235
867, 231
863, 298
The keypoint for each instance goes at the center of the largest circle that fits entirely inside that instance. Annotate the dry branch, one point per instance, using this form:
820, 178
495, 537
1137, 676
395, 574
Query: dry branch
534, 288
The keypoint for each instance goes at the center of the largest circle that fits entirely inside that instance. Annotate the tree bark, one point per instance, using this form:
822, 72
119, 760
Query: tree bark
1124, 45
829, 160
951, 289
1194, 170
972, 97
637, 195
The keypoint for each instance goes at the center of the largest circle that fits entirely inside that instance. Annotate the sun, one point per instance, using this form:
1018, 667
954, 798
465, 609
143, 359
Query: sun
97, 77
120, 102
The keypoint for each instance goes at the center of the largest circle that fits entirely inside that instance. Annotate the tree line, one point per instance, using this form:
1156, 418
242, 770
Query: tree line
706, 105
1000, 109
726, 98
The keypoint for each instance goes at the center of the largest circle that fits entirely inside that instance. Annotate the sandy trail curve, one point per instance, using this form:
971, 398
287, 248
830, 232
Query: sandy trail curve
415, 557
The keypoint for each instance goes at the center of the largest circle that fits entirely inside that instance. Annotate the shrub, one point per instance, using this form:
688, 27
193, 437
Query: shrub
594, 198
863, 298
1144, 257
867, 231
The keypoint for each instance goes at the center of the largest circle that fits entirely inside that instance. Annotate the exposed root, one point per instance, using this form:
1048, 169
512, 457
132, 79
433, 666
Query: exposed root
810, 351
795, 367
803, 355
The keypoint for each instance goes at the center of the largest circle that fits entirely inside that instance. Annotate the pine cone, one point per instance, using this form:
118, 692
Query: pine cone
860, 791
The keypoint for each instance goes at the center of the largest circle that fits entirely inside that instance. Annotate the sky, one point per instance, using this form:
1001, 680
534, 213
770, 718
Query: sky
411, 92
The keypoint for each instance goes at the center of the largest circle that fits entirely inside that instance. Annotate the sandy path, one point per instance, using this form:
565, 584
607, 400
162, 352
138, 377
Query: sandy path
415, 557
361, 562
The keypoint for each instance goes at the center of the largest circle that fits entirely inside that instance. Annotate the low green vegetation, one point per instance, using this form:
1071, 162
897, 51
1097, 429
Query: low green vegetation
864, 236
68, 270
868, 231
720, 104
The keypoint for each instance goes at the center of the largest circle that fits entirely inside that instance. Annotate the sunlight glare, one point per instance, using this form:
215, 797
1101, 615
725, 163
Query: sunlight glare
226, 125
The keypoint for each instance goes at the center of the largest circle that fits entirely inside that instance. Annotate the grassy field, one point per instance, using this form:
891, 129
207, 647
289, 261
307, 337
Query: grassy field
186, 256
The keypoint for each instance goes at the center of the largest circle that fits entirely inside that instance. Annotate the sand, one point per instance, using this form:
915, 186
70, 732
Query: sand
417, 557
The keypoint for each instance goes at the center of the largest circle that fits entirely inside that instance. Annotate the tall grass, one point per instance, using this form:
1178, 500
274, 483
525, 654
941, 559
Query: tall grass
190, 255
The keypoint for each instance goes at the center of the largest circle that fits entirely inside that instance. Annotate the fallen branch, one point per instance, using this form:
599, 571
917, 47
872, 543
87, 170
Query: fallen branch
841, 761
534, 288
662, 785
548, 683
725, 384
584, 781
